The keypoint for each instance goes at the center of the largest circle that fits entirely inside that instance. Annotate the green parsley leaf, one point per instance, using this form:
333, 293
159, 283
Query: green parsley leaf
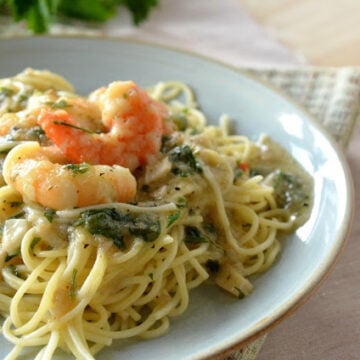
140, 9
63, 123
6, 92
146, 227
173, 217
39, 17
180, 120
116, 225
49, 214
193, 235
90, 10
78, 168
61, 104
34, 242
184, 162
40, 14
105, 222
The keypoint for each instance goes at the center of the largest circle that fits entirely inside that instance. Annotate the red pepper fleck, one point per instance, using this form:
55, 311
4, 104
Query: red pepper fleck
243, 166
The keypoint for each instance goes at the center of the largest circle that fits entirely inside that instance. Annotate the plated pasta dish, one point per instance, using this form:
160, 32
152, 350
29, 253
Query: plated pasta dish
116, 204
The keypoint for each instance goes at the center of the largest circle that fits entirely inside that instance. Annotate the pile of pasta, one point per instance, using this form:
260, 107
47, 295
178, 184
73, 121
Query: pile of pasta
77, 279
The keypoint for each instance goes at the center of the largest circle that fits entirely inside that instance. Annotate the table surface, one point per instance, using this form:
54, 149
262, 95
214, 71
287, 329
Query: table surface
326, 32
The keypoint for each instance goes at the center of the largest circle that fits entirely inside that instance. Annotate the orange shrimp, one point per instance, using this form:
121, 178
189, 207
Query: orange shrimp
40, 175
134, 124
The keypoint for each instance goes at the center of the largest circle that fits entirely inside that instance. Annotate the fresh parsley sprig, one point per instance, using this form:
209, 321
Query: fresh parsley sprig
40, 14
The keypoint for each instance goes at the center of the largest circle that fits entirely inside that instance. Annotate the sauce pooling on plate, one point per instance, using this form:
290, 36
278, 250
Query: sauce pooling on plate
293, 186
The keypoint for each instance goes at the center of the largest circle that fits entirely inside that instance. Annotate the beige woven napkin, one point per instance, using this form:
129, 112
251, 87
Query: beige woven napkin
332, 96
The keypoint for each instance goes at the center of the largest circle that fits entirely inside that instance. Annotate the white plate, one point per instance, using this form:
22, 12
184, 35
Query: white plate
214, 321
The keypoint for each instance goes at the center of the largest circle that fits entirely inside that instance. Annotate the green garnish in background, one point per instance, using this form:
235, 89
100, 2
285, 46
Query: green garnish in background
40, 14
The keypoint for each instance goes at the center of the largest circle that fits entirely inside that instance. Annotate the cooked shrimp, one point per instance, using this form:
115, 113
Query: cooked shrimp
24, 114
134, 124
40, 175
86, 113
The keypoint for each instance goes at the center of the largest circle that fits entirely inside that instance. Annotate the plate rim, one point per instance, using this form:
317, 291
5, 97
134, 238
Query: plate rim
318, 277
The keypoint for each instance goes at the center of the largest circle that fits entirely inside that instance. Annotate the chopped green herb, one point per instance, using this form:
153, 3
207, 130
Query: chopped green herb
6, 92
61, 104
238, 173
180, 120
181, 202
116, 225
35, 133
24, 97
50, 214
166, 144
209, 228
151, 276
34, 242
258, 171
193, 235
145, 226
78, 168
184, 161
63, 123
11, 256
210, 231
105, 222
173, 217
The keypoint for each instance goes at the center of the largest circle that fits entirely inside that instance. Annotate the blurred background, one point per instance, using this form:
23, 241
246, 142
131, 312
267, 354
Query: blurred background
252, 32
326, 32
